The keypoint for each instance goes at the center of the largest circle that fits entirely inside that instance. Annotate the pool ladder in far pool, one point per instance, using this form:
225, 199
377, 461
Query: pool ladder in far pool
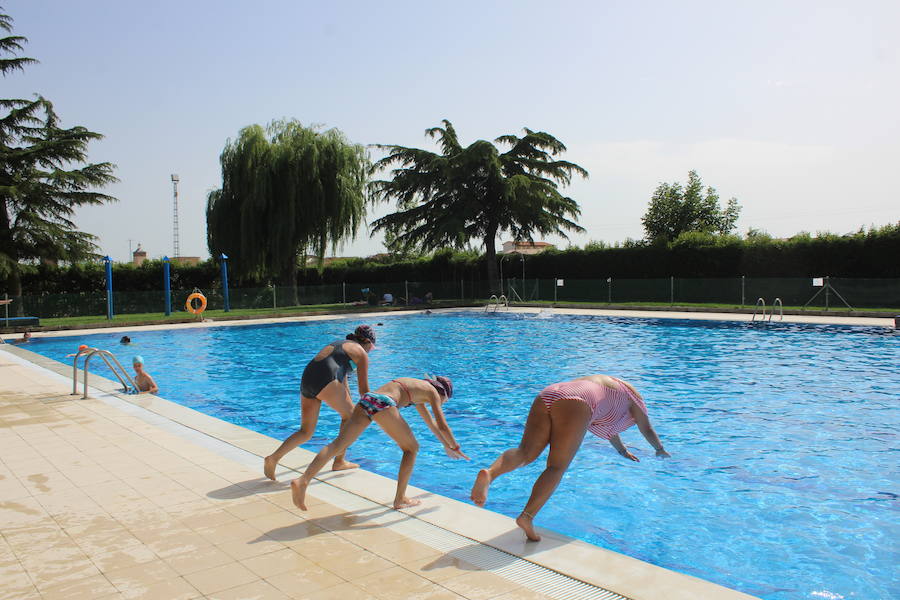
497, 303
762, 303
114, 365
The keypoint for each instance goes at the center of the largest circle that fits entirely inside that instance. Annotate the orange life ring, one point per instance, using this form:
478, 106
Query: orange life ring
190, 307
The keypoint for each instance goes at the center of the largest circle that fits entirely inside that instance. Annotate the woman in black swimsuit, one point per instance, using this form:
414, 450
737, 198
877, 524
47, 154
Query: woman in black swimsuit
325, 380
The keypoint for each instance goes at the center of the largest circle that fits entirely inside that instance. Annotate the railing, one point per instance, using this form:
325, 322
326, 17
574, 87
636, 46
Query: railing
496, 303
762, 303
780, 309
759, 303
109, 358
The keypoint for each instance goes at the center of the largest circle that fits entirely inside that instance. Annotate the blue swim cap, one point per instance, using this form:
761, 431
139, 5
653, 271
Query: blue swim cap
138, 360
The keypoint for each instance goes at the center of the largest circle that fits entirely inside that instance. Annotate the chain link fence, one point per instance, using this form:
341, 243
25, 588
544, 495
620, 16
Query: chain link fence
832, 293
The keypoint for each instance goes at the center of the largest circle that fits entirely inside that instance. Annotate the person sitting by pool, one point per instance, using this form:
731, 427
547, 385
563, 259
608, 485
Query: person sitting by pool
559, 417
325, 380
382, 406
142, 378
387, 299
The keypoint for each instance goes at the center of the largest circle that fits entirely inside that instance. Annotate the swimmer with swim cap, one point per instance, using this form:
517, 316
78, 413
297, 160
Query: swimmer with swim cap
142, 378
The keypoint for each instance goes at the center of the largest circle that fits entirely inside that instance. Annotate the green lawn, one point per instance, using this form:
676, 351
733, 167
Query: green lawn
184, 317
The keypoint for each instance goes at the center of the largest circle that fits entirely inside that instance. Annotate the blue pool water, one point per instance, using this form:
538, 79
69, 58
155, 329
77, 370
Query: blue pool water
783, 480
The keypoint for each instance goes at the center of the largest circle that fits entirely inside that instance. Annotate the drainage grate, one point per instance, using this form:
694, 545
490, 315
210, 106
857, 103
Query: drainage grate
524, 573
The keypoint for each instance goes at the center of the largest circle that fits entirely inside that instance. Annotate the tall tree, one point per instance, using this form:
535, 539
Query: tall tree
674, 210
41, 180
476, 192
287, 190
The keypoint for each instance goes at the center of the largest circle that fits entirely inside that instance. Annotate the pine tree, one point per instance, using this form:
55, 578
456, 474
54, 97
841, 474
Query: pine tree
476, 192
43, 178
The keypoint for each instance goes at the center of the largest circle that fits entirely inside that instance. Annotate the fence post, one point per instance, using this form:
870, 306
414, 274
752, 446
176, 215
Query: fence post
609, 290
671, 290
406, 289
274, 303
344, 292
827, 285
742, 291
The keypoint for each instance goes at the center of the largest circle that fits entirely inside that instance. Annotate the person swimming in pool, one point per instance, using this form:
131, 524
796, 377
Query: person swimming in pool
142, 378
325, 380
560, 416
382, 406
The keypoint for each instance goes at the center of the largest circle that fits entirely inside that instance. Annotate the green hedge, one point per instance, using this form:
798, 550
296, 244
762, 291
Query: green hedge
866, 254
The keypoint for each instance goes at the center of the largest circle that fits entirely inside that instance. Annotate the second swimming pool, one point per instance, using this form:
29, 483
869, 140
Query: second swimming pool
784, 438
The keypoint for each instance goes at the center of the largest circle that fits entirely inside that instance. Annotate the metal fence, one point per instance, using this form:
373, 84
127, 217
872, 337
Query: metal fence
832, 293
813, 293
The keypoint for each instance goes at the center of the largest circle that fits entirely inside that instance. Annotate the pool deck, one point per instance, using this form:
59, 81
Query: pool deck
136, 497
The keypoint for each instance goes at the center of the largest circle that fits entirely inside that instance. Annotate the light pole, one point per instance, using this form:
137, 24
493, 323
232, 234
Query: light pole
176, 252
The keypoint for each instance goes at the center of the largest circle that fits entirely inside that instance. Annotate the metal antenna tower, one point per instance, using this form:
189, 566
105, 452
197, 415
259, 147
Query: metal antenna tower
175, 249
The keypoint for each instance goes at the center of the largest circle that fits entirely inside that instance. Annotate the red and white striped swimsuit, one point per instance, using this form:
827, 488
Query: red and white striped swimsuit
609, 407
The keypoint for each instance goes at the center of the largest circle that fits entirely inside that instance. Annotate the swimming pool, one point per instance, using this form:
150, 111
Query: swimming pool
783, 481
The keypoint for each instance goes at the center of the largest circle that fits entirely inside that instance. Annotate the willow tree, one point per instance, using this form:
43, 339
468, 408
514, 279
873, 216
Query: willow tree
287, 191
476, 192
43, 179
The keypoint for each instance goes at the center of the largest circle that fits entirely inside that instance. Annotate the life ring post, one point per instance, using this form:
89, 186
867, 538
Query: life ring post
189, 303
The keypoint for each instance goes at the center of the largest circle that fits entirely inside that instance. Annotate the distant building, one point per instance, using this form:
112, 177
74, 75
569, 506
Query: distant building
191, 261
312, 262
139, 256
525, 247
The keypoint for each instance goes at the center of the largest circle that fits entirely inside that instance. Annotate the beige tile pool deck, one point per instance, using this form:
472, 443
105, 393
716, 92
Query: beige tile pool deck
137, 497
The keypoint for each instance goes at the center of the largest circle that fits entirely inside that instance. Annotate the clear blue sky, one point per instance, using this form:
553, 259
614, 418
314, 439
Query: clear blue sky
789, 106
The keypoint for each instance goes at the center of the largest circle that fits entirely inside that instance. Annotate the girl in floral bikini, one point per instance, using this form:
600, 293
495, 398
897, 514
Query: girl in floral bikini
382, 407
560, 416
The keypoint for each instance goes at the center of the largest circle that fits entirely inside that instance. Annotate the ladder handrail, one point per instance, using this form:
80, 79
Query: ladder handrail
497, 302
780, 306
493, 298
115, 366
759, 301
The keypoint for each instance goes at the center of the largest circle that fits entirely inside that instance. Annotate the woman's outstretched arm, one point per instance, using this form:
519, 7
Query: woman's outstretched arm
643, 423
443, 434
616, 442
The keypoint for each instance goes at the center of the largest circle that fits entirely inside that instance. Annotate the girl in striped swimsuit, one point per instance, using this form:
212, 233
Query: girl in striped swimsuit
560, 416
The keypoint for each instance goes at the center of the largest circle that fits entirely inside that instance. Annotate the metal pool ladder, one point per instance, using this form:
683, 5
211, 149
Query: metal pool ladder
496, 303
762, 303
114, 365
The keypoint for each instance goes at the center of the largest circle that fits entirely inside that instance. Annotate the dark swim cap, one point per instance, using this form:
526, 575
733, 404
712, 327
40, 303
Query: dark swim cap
365, 332
442, 385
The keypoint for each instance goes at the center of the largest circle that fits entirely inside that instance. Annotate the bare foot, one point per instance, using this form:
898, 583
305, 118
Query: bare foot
406, 503
525, 523
298, 493
480, 489
343, 465
269, 465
